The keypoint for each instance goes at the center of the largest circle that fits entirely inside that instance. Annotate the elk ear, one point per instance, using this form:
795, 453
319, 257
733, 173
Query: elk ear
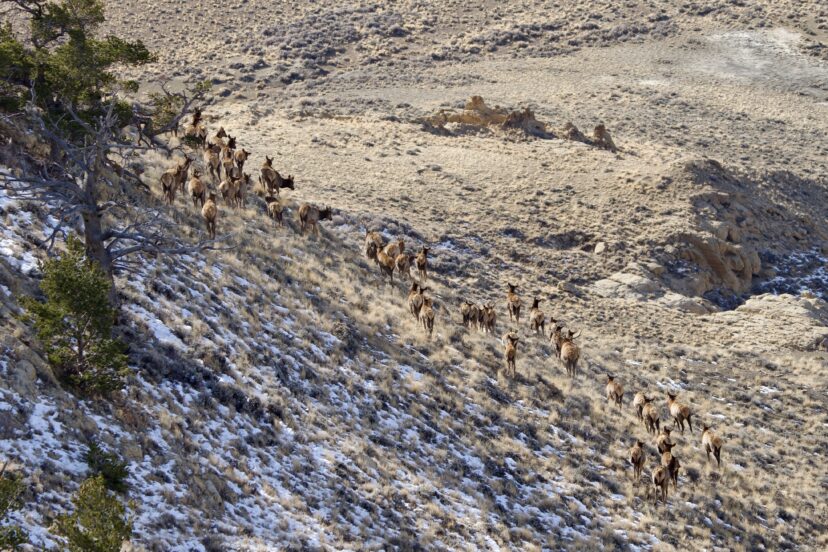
574, 335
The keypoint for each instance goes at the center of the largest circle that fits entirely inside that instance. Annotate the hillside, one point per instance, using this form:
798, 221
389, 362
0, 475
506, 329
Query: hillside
281, 395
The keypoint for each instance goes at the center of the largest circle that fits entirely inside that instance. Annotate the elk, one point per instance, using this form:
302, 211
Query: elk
513, 303
427, 316
680, 412
712, 443
172, 179
556, 336
671, 463
240, 156
213, 162
311, 215
615, 391
570, 353
196, 130
403, 264
395, 248
271, 181
511, 353
221, 134
373, 245
274, 209
637, 457
227, 188
231, 171
241, 190
536, 318
422, 264
386, 264
488, 318
415, 299
638, 402
661, 481
469, 313
196, 188
652, 421
663, 442
210, 212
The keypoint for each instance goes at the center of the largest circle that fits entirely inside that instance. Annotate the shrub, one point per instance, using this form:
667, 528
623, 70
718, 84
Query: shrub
106, 464
99, 522
74, 324
11, 487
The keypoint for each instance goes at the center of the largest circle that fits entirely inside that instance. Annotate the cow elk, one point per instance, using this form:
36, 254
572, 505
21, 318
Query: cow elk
513, 303
680, 412
570, 353
536, 318
637, 457
712, 443
311, 215
511, 353
210, 212
422, 264
615, 391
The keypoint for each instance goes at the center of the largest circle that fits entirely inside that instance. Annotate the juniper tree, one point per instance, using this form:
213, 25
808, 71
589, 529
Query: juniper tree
74, 323
99, 522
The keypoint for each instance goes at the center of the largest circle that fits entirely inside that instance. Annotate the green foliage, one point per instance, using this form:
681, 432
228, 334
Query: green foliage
99, 522
11, 487
61, 58
109, 466
74, 324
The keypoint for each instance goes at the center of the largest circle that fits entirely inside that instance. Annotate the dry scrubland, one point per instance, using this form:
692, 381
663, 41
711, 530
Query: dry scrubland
285, 398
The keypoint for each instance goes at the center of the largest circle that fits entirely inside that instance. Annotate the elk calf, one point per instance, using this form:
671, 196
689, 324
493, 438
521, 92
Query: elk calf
712, 443
680, 412
615, 391
210, 212
311, 215
513, 303
511, 353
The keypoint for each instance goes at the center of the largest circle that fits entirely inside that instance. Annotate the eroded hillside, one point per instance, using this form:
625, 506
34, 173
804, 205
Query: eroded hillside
283, 397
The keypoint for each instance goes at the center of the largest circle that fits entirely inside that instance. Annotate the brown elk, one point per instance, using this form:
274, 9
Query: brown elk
311, 215
680, 412
210, 212
513, 303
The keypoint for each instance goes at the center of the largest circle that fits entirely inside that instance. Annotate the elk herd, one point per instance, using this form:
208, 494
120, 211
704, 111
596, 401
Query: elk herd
222, 174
